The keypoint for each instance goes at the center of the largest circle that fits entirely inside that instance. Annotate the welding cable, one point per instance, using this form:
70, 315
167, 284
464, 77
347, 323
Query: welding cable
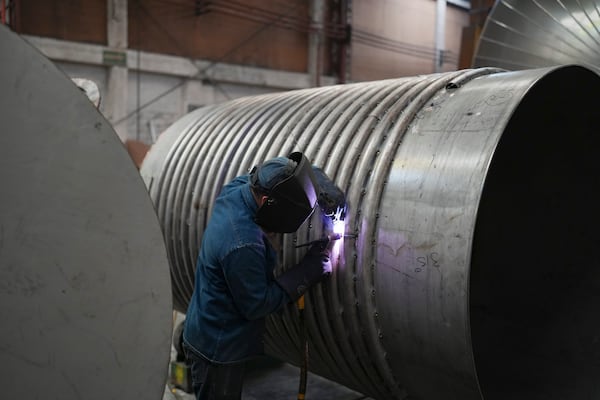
303, 350
326, 242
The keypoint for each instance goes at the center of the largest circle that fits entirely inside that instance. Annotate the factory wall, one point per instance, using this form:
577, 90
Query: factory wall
172, 57
411, 24
76, 20
189, 94
390, 38
212, 31
195, 29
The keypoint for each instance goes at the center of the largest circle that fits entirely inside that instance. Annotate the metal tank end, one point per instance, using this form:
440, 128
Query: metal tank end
77, 232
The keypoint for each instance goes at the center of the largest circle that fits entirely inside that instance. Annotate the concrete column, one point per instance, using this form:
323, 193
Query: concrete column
115, 98
440, 34
315, 41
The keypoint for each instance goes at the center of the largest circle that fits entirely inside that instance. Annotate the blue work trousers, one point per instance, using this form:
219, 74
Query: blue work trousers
212, 381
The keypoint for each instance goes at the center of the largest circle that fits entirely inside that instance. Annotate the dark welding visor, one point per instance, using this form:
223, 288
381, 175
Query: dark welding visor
291, 201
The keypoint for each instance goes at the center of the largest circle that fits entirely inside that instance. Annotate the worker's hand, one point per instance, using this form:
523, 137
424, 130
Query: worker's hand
315, 266
317, 258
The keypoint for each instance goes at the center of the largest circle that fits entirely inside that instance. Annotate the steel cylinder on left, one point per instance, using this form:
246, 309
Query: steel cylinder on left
85, 296
472, 195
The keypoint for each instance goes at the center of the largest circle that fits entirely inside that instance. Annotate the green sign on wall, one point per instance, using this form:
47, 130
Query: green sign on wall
118, 58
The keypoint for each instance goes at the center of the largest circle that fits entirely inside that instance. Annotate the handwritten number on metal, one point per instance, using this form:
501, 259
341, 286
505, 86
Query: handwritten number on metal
429, 260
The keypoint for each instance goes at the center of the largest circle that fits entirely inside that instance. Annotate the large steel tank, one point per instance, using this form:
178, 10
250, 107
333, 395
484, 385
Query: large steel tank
523, 34
85, 296
472, 193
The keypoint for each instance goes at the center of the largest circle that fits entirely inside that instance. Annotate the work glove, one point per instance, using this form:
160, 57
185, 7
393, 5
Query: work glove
315, 266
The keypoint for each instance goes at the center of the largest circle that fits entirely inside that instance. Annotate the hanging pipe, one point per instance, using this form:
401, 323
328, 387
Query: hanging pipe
471, 198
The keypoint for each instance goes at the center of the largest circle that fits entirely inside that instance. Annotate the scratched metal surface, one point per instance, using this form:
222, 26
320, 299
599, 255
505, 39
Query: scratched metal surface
523, 34
85, 297
408, 312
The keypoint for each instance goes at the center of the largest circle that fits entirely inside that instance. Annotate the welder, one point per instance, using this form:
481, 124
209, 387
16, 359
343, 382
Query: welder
235, 287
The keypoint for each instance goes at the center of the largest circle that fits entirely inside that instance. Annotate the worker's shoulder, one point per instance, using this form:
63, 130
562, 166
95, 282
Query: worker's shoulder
233, 220
236, 183
238, 237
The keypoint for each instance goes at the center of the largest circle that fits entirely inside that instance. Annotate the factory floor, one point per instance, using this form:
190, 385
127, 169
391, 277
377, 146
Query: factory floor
271, 379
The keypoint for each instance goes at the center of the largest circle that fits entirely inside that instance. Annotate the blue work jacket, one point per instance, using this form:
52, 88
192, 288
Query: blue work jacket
234, 286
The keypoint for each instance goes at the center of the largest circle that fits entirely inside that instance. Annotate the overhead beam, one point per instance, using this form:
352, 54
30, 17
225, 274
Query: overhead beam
85, 53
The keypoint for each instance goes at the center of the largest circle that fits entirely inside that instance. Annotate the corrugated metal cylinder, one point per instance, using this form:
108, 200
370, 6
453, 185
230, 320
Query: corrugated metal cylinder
539, 33
472, 196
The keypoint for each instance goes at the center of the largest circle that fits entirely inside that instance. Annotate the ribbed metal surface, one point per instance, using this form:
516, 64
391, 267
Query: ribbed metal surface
413, 155
522, 34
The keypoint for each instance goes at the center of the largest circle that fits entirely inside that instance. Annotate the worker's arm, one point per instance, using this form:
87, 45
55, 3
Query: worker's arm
254, 292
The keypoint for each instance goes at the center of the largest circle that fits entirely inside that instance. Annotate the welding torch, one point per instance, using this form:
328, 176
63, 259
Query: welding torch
326, 239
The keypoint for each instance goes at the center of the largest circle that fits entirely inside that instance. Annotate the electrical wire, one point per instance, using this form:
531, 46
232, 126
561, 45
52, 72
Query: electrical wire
180, 48
257, 14
200, 72
334, 31
269, 18
364, 37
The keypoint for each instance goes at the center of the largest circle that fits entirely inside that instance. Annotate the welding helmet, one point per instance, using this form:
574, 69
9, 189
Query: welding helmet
291, 190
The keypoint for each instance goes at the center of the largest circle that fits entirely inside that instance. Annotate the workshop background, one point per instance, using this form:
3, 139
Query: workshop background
156, 61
